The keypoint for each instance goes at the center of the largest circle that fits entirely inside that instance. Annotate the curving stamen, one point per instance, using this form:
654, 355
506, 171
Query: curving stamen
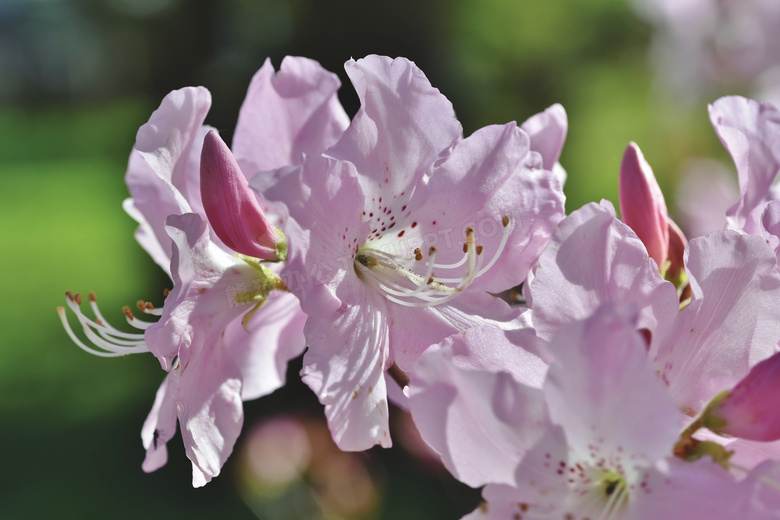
504, 239
395, 278
111, 341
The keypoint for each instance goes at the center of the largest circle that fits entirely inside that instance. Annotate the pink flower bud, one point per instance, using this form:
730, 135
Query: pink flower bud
751, 410
231, 206
642, 204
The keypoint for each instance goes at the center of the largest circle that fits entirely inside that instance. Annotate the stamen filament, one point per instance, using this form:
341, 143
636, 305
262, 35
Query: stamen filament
504, 239
100, 332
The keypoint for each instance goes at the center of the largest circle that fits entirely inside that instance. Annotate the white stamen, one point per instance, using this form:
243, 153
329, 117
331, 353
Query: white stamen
102, 334
501, 246
393, 275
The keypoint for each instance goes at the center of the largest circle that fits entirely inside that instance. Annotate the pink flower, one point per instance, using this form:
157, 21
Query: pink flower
595, 441
730, 324
400, 232
220, 335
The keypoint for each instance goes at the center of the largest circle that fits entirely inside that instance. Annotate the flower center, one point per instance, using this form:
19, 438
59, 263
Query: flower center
416, 281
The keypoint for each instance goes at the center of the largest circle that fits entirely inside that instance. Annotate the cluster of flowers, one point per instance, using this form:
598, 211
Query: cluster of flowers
634, 375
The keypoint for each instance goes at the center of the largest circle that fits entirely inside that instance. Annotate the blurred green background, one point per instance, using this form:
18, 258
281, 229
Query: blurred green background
77, 79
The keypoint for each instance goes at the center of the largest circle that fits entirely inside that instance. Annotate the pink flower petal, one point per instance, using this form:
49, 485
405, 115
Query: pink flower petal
750, 131
403, 126
345, 368
593, 258
489, 175
732, 322
273, 336
287, 115
547, 131
325, 202
163, 173
481, 422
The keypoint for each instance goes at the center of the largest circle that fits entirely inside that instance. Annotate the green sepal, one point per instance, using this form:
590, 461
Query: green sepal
720, 455
281, 246
266, 282
710, 420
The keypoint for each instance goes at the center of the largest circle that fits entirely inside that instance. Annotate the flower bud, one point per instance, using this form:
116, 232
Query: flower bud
231, 206
751, 410
642, 205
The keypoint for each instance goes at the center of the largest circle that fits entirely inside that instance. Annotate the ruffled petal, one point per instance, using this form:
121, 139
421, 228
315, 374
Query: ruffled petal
165, 142
547, 131
163, 173
273, 336
414, 329
732, 322
345, 368
604, 392
159, 428
207, 392
699, 490
770, 224
490, 175
594, 258
403, 126
480, 422
750, 131
324, 231
287, 115
146, 235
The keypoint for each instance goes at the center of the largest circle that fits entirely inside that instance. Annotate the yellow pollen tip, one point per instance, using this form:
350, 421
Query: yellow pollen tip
149, 306
430, 280
92, 296
127, 312
141, 305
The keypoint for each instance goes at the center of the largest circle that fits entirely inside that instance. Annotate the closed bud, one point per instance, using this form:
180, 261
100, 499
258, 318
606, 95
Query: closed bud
751, 410
642, 205
231, 206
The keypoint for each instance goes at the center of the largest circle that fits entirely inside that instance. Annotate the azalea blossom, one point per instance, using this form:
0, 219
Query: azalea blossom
596, 441
401, 231
729, 324
223, 335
